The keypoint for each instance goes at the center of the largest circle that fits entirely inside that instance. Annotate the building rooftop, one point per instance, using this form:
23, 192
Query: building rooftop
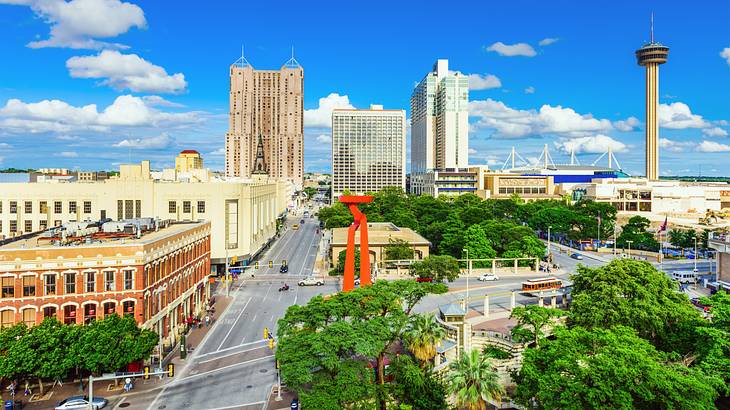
380, 234
189, 151
137, 231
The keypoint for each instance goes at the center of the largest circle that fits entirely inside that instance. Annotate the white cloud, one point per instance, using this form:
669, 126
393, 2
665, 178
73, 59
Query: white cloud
324, 139
725, 53
5, 145
472, 151
548, 41
68, 154
59, 116
677, 115
629, 124
712, 146
512, 123
512, 50
483, 82
715, 132
596, 144
64, 137
77, 23
161, 141
156, 100
126, 71
218, 153
321, 117
530, 90
675, 146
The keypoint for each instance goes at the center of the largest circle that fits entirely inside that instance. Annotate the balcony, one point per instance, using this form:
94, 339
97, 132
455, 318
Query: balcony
719, 241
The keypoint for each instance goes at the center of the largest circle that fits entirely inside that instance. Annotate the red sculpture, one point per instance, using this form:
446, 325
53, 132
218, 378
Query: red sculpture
360, 221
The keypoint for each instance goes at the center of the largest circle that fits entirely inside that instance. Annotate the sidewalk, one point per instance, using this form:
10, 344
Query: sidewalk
107, 388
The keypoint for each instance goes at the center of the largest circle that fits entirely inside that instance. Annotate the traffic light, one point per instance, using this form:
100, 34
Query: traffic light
234, 259
271, 344
277, 364
146, 373
283, 262
266, 333
256, 266
271, 264
170, 370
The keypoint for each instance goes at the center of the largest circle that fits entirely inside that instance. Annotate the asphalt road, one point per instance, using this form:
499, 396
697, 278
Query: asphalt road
233, 367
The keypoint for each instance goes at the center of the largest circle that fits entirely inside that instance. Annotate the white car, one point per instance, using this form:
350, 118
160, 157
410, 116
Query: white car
311, 281
81, 403
488, 277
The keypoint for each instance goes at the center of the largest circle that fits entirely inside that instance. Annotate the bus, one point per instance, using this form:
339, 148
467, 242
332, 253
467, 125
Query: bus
550, 283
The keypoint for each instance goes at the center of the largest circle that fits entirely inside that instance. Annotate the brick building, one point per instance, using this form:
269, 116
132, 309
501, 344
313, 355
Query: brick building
80, 272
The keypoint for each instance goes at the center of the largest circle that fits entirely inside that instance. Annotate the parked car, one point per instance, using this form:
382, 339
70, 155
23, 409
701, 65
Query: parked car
577, 256
284, 269
311, 281
357, 281
301, 221
696, 302
488, 277
424, 280
81, 402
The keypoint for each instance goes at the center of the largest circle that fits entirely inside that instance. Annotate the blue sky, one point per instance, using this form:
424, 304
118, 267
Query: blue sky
92, 83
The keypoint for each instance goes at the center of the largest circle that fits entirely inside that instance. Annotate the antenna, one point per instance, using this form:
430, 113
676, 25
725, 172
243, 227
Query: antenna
652, 27
241, 62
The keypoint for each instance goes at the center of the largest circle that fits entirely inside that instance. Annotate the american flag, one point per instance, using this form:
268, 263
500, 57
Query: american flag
663, 228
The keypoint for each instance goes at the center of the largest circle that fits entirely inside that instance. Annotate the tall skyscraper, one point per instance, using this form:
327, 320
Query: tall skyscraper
266, 105
368, 150
650, 56
439, 124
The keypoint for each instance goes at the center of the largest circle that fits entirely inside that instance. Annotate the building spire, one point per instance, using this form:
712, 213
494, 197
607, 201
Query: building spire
241, 62
292, 63
651, 27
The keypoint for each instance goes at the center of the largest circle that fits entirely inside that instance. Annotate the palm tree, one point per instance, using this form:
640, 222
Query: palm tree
423, 336
473, 381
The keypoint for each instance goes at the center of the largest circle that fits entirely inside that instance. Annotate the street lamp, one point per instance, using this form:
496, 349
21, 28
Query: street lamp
468, 267
549, 252
695, 253
629, 242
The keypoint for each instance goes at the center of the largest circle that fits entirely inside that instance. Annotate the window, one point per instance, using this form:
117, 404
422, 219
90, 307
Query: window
108, 281
128, 279
109, 309
28, 286
28, 226
137, 208
69, 314
8, 287
120, 209
57, 207
186, 207
7, 318
128, 307
57, 222
43, 225
89, 313
43, 207
13, 207
13, 226
49, 311
201, 207
128, 210
28, 207
72, 207
29, 317
171, 207
90, 282
1, 207
50, 284
69, 279
87, 207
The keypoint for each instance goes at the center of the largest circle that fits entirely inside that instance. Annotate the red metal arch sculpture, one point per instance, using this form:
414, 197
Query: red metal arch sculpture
360, 221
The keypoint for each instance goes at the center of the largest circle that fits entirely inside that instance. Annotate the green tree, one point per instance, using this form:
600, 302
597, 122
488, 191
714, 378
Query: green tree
339, 269
108, 345
53, 359
398, 249
437, 267
310, 191
587, 219
607, 369
478, 246
327, 346
453, 236
473, 380
637, 295
713, 341
16, 354
423, 336
416, 388
335, 216
635, 231
532, 322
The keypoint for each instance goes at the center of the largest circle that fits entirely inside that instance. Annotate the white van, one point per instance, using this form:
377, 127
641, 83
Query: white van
685, 276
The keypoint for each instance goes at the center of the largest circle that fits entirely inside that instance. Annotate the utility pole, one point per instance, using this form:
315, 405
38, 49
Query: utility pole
550, 253
629, 242
468, 273
695, 252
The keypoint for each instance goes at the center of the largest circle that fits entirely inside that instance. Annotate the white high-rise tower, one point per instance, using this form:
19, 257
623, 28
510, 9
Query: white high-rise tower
439, 124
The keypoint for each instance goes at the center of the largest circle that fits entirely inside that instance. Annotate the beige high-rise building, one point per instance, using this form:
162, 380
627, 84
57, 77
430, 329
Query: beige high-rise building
267, 104
188, 160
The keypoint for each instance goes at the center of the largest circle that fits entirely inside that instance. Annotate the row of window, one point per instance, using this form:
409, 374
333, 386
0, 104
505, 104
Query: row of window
186, 207
58, 207
28, 286
28, 315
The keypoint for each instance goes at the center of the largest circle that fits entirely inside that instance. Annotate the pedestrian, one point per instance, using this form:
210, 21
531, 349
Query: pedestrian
27, 389
12, 389
207, 320
127, 384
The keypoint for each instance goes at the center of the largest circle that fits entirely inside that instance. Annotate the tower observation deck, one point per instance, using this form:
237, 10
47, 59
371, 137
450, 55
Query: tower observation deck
651, 55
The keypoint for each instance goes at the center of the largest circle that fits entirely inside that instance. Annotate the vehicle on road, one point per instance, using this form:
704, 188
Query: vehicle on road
487, 277
295, 226
284, 288
532, 285
357, 281
311, 281
284, 269
577, 256
696, 302
301, 221
424, 280
81, 402
685, 276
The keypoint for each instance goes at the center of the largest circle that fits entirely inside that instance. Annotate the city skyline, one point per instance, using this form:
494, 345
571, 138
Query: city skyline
567, 78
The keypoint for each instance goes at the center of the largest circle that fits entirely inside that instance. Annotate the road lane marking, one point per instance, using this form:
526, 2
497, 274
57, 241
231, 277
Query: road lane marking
234, 324
225, 368
231, 348
120, 402
231, 354
239, 405
307, 255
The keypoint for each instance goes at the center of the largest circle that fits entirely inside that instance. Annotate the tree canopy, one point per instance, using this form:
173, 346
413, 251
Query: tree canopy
437, 267
635, 231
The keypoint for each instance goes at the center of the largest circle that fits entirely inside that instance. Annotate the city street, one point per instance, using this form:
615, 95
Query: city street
233, 367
